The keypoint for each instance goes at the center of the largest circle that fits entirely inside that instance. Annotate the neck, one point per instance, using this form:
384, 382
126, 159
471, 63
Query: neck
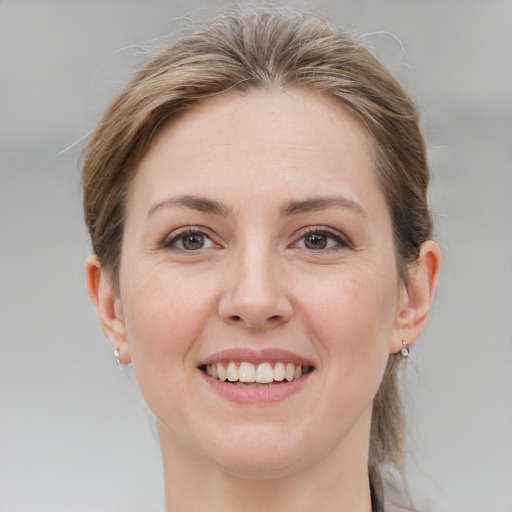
338, 482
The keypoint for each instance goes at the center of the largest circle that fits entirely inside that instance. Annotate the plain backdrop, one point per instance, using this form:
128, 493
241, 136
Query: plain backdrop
75, 435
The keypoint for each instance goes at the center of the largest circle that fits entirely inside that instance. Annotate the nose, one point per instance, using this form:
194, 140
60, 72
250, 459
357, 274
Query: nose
255, 294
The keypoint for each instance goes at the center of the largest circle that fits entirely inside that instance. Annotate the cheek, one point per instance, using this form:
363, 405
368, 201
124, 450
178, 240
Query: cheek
164, 315
164, 318
352, 318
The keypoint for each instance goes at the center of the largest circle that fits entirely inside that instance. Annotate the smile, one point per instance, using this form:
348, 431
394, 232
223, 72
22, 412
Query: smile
264, 376
243, 373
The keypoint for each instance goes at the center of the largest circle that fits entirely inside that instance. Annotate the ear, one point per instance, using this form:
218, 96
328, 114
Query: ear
108, 306
416, 298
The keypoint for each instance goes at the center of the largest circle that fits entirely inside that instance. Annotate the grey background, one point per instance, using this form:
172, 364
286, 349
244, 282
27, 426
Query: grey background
74, 433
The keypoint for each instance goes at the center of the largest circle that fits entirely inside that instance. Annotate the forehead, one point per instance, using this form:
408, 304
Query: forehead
296, 113
269, 141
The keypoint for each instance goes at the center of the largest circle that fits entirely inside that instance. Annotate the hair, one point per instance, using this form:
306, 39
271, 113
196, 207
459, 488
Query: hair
269, 49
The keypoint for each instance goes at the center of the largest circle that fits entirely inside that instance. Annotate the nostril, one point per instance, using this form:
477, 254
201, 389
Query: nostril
271, 320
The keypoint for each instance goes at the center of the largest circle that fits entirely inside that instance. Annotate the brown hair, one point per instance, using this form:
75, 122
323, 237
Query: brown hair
269, 49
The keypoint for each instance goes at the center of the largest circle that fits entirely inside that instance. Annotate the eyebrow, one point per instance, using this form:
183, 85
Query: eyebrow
201, 204
321, 203
312, 204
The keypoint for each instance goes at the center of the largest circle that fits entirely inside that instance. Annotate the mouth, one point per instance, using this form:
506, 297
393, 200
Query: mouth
263, 374
259, 377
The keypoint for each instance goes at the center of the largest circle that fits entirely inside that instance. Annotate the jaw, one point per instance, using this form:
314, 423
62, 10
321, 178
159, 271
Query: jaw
267, 467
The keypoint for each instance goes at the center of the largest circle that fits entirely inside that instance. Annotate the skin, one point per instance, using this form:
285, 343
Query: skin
258, 283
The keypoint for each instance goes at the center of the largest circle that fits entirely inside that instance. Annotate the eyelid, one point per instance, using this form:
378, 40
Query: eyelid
171, 238
338, 236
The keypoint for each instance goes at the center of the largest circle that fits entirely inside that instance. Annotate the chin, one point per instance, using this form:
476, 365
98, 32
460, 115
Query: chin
258, 452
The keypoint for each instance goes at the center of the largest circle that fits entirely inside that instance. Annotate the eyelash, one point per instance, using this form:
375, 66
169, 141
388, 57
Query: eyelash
340, 242
170, 241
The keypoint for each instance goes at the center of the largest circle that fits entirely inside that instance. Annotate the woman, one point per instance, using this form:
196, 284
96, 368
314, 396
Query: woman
256, 201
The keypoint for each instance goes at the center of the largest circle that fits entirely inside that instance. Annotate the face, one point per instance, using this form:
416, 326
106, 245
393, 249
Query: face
258, 282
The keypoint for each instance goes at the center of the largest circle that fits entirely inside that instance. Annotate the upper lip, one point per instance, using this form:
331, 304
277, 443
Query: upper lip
265, 355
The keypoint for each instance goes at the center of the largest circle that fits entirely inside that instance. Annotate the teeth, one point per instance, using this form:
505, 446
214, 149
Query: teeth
232, 372
247, 373
263, 373
279, 372
220, 371
289, 373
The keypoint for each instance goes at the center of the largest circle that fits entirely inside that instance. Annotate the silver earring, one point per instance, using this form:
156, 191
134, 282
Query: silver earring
404, 353
116, 355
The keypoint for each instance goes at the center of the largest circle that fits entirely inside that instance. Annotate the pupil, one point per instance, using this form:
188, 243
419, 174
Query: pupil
193, 241
316, 241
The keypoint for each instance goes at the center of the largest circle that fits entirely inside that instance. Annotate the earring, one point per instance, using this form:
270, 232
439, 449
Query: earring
404, 353
116, 355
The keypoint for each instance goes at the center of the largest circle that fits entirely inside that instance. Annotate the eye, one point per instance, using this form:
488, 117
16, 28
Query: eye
315, 239
188, 239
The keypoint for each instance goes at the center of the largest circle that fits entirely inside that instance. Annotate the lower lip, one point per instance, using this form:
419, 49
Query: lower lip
257, 395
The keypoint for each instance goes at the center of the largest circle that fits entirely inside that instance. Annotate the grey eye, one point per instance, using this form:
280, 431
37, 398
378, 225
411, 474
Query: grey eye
193, 241
188, 239
316, 241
